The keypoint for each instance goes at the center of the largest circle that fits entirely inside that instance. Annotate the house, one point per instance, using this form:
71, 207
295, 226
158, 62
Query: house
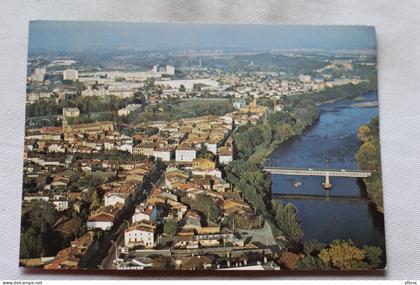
60, 204
211, 146
136, 263
139, 235
103, 218
220, 185
209, 239
225, 155
145, 212
203, 163
112, 198
138, 173
163, 153
75, 256
126, 146
175, 178
29, 197
196, 262
191, 221
60, 180
207, 172
203, 181
185, 153
89, 128
145, 148
55, 147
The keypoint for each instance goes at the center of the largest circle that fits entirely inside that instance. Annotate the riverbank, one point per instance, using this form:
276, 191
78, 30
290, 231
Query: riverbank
368, 158
261, 155
254, 143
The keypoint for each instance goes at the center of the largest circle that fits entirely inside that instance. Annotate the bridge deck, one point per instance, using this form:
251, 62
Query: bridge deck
318, 172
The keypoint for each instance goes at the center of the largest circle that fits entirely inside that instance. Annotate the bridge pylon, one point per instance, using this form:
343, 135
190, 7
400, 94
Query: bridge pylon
327, 184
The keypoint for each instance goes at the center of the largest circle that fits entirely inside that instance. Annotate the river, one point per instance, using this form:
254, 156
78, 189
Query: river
331, 143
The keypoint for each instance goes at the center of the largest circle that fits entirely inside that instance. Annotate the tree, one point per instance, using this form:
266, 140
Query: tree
205, 205
310, 262
312, 247
169, 227
287, 220
366, 156
95, 203
290, 259
30, 246
343, 255
373, 255
162, 262
364, 133
38, 236
283, 132
203, 152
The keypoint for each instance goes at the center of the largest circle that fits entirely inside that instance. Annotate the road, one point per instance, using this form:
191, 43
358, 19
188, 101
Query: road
107, 261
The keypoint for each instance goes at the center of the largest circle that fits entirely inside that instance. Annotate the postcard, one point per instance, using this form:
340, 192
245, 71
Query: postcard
201, 147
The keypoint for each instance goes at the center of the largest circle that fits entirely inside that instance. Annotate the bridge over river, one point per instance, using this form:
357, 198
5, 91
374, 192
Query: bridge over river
327, 173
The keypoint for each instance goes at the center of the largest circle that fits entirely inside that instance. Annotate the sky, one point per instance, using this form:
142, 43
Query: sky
83, 36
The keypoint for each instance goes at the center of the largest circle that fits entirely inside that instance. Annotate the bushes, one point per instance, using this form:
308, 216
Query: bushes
340, 254
368, 158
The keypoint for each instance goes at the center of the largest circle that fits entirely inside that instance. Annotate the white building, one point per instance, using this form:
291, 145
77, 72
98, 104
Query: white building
128, 147
138, 235
228, 119
239, 104
128, 109
61, 204
163, 153
56, 148
187, 83
70, 74
38, 74
102, 221
170, 70
225, 159
71, 112
204, 172
211, 146
112, 198
304, 78
144, 213
167, 70
185, 154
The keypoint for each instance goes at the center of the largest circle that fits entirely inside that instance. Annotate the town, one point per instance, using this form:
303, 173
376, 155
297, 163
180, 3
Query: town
126, 169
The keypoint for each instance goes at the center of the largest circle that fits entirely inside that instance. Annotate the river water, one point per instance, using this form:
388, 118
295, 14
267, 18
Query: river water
331, 143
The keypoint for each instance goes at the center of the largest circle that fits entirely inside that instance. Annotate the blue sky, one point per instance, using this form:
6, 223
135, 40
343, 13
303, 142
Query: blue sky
71, 36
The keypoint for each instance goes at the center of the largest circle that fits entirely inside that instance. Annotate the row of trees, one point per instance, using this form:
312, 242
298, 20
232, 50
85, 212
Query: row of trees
368, 158
86, 105
175, 110
340, 254
348, 90
253, 143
